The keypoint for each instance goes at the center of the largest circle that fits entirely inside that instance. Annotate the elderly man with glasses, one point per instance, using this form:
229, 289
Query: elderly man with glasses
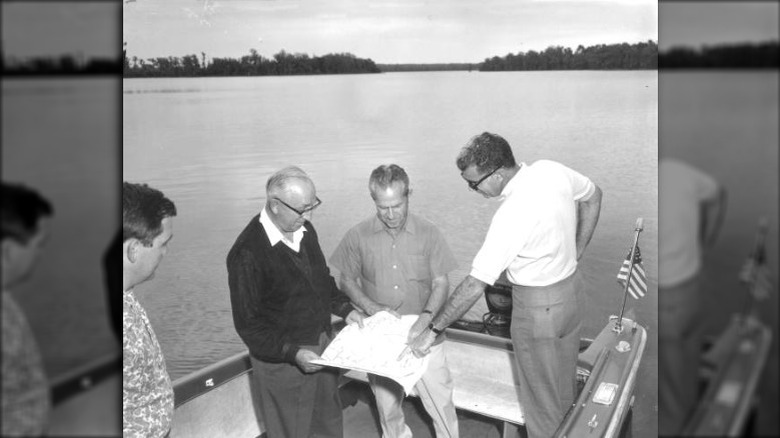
539, 232
282, 295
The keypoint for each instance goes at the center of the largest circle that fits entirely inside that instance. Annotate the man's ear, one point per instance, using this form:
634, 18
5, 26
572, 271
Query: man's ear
6, 251
130, 250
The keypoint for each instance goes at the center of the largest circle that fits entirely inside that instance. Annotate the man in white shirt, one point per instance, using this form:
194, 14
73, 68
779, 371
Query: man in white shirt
692, 205
547, 217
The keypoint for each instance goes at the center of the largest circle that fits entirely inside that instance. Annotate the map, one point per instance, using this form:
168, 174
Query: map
375, 349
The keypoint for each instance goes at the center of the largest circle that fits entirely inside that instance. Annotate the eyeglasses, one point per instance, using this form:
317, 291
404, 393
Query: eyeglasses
474, 185
317, 203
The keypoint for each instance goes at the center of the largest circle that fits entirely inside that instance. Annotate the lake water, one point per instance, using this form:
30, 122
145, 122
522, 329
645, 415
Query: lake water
726, 123
61, 137
210, 144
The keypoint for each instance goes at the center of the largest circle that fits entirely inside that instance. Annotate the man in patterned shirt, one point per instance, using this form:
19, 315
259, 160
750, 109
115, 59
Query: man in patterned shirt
25, 391
147, 393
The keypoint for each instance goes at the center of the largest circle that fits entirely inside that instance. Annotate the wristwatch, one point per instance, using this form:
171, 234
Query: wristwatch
434, 329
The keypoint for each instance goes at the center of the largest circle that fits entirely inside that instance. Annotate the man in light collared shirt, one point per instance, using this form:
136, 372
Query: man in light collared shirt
398, 262
282, 296
547, 217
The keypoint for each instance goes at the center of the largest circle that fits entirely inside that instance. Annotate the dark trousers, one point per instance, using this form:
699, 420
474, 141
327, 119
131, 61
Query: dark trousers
298, 405
679, 353
546, 338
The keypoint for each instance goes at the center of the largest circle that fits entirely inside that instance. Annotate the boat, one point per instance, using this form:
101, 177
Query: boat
730, 373
87, 401
217, 400
732, 363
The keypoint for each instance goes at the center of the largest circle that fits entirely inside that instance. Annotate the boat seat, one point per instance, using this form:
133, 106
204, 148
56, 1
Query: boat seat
484, 374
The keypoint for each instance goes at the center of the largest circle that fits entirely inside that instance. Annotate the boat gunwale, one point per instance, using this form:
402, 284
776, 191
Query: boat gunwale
750, 387
628, 388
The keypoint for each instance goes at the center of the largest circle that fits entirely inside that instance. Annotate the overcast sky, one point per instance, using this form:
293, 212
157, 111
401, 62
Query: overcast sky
698, 23
58, 28
387, 31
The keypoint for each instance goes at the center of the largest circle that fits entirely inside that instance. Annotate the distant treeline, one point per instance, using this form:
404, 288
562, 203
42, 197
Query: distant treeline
640, 56
427, 67
746, 55
65, 65
253, 64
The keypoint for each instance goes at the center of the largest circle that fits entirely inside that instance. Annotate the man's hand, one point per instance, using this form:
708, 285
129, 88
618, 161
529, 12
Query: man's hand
303, 359
355, 316
420, 345
421, 324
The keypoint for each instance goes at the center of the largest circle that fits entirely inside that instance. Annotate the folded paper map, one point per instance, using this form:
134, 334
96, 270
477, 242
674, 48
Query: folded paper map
375, 349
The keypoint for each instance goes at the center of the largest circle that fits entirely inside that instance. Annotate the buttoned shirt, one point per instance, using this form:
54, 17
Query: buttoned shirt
395, 270
533, 233
681, 190
25, 391
275, 235
147, 393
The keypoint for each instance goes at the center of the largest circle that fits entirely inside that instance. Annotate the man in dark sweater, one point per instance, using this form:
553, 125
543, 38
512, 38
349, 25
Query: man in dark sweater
282, 295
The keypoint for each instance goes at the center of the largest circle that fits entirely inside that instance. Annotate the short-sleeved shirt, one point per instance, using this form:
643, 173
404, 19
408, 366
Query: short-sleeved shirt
681, 191
395, 270
147, 393
533, 233
25, 390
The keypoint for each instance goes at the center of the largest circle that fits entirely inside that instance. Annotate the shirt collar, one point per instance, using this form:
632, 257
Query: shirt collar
275, 235
512, 185
377, 225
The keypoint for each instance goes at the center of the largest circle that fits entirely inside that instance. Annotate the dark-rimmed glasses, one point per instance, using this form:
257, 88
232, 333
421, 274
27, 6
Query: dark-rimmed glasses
474, 185
317, 203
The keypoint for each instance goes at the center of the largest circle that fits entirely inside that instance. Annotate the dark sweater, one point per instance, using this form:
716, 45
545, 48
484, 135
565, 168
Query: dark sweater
281, 299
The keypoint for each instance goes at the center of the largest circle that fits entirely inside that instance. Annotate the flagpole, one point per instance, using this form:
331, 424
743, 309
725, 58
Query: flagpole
759, 246
637, 229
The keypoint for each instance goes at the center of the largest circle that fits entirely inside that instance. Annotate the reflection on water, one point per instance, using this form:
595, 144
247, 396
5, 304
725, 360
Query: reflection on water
211, 152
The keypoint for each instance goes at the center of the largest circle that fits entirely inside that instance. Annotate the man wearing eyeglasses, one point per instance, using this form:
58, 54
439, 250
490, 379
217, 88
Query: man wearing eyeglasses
398, 261
282, 295
547, 216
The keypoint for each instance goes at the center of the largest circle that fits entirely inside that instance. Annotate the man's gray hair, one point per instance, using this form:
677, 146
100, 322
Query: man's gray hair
280, 181
386, 175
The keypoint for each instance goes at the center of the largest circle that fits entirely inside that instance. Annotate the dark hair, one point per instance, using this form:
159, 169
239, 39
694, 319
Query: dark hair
143, 210
385, 175
486, 151
22, 208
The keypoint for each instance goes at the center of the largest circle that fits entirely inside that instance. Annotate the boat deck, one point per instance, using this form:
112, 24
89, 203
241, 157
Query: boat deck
360, 419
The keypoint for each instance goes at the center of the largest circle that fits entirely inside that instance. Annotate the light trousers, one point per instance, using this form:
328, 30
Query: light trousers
546, 338
679, 354
435, 391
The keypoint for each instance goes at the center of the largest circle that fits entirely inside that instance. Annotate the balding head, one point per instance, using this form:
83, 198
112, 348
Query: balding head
291, 180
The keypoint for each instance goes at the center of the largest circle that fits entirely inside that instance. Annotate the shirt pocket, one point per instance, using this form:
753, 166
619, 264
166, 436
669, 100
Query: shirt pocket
419, 268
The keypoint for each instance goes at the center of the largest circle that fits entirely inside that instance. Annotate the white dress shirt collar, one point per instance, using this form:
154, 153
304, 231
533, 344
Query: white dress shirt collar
275, 235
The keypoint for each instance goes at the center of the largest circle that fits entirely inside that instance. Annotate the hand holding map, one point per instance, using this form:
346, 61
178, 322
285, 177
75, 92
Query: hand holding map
375, 349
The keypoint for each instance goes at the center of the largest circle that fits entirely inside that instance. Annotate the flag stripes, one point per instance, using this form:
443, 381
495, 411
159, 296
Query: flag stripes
638, 285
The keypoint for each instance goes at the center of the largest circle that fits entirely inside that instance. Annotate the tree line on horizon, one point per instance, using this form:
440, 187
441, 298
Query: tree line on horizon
253, 64
624, 56
743, 55
63, 65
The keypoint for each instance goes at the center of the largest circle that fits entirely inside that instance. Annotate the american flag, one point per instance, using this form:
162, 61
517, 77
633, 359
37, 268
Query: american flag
638, 286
